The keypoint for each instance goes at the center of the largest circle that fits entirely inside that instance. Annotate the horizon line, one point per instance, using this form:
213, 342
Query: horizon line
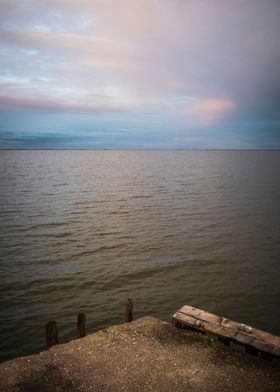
139, 149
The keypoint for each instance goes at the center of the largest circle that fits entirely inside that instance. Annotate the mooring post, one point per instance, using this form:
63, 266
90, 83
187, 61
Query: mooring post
51, 334
81, 325
129, 311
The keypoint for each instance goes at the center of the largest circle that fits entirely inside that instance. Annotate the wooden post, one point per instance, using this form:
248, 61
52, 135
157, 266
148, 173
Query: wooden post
51, 334
129, 311
81, 325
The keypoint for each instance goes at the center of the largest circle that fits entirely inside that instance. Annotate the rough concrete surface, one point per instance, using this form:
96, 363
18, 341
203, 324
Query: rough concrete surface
145, 355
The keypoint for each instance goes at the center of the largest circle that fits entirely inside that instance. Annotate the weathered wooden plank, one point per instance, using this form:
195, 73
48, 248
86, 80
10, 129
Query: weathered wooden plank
227, 330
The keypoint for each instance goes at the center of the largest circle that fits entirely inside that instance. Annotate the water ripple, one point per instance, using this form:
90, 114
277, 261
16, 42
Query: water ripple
82, 230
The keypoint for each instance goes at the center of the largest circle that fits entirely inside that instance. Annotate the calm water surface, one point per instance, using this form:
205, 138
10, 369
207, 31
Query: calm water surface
83, 230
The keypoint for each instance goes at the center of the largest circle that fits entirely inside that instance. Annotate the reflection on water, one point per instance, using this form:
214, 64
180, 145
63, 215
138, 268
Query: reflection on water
83, 230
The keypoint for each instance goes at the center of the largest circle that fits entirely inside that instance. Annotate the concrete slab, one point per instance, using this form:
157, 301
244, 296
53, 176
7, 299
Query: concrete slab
145, 355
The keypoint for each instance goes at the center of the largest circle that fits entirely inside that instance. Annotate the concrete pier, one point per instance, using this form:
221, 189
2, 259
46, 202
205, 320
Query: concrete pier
144, 355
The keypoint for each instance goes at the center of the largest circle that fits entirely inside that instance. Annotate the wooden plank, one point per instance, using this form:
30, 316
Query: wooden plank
227, 330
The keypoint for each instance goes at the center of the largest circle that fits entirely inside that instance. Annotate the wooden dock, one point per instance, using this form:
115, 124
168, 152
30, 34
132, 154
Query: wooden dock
254, 340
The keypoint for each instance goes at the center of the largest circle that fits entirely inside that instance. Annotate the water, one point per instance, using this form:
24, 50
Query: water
83, 230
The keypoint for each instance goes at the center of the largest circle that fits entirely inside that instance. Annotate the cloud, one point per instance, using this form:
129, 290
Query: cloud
150, 47
207, 62
210, 110
55, 104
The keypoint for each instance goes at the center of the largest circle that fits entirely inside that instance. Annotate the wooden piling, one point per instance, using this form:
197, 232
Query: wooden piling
129, 311
51, 334
81, 325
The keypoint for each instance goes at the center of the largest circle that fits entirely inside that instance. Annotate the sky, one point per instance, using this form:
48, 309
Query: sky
147, 74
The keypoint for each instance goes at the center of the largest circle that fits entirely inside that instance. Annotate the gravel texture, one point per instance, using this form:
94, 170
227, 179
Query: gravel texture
145, 355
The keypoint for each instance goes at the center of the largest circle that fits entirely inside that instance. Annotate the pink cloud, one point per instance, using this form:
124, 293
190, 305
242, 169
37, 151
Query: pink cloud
210, 110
